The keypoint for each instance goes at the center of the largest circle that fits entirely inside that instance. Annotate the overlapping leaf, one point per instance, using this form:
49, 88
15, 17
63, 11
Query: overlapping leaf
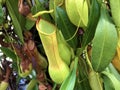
66, 27
115, 5
69, 83
92, 23
104, 43
114, 71
40, 7
18, 20
113, 83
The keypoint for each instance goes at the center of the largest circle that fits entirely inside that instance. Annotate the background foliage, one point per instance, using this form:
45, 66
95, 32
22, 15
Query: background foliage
85, 33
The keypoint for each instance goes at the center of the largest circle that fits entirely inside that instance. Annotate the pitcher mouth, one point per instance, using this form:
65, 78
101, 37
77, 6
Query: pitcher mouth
42, 32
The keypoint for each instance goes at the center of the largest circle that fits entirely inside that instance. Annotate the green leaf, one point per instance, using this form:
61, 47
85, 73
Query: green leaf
66, 27
107, 83
115, 5
32, 84
104, 43
69, 83
53, 4
114, 81
36, 87
114, 71
1, 15
92, 23
29, 24
94, 80
17, 20
40, 7
8, 52
82, 82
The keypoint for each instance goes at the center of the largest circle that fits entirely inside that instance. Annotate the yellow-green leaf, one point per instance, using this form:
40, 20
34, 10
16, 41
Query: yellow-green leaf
115, 83
69, 83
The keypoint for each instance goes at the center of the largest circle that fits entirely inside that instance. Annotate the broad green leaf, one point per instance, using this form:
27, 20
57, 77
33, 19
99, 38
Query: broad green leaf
104, 42
113, 79
69, 83
66, 27
8, 52
114, 71
92, 23
115, 5
1, 15
95, 81
17, 20
107, 83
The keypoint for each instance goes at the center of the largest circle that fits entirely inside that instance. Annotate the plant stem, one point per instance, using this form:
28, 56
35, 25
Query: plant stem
94, 79
87, 59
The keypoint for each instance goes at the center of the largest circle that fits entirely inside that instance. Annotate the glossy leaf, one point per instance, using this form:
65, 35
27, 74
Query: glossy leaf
104, 43
114, 81
18, 20
92, 23
107, 83
115, 5
66, 27
1, 15
69, 83
114, 71
94, 80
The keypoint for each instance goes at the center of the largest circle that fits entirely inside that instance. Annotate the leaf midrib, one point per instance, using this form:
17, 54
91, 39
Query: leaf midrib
103, 44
